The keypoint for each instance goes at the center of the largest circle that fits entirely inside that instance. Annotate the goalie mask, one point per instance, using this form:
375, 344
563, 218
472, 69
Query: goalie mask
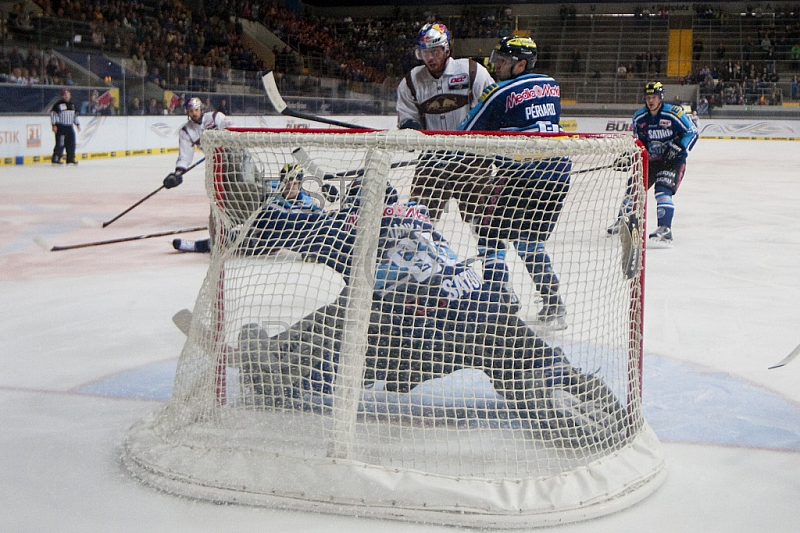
291, 173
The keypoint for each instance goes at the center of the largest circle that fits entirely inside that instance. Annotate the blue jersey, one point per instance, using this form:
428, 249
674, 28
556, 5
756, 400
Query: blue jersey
670, 125
531, 102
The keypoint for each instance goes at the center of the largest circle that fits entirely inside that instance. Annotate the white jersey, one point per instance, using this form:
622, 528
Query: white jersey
441, 103
189, 135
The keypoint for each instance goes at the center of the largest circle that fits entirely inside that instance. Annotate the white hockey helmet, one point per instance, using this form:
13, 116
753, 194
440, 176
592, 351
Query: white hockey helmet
194, 103
432, 36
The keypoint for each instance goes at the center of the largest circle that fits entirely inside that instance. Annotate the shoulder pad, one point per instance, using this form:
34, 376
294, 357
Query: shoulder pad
487, 91
675, 110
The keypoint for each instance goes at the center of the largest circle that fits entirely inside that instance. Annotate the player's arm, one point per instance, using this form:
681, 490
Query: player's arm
185, 156
407, 111
483, 80
221, 121
480, 116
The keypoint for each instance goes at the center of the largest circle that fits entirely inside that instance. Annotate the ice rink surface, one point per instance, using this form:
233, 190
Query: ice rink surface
89, 348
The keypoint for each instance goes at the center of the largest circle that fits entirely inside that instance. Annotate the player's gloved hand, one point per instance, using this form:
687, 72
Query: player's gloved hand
409, 124
673, 152
623, 163
329, 192
173, 179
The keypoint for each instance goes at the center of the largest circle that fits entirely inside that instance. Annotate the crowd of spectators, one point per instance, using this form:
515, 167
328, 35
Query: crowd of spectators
177, 50
33, 67
749, 75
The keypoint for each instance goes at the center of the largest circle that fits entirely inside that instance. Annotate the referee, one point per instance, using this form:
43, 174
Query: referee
63, 116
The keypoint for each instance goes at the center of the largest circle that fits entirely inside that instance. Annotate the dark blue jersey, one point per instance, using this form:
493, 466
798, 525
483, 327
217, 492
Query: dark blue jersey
531, 102
669, 125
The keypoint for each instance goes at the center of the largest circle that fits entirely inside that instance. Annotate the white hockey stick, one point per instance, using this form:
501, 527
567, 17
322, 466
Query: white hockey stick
277, 101
302, 157
788, 359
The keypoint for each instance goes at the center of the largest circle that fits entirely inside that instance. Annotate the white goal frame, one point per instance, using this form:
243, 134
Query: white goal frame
211, 444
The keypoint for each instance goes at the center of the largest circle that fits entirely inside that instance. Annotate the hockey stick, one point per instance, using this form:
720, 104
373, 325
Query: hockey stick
308, 164
277, 101
97, 223
788, 359
52, 248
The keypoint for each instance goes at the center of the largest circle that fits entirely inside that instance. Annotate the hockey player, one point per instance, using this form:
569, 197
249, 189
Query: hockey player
189, 137
63, 116
437, 95
431, 314
668, 134
527, 198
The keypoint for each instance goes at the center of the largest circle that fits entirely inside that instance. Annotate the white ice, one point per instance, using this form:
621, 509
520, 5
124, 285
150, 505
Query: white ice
89, 348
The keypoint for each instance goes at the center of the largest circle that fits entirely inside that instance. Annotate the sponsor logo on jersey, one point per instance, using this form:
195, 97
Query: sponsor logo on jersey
659, 134
459, 82
444, 103
462, 284
537, 91
417, 212
665, 123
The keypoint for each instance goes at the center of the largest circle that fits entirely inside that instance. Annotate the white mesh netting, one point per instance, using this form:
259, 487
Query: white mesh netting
439, 328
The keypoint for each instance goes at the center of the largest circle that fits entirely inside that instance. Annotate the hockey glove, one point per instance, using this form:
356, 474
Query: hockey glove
409, 124
329, 192
623, 163
673, 152
173, 179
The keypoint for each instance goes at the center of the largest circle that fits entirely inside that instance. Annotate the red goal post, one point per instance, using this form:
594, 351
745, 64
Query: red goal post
454, 338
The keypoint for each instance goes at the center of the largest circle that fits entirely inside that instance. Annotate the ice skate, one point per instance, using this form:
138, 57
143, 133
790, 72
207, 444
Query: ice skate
661, 238
552, 315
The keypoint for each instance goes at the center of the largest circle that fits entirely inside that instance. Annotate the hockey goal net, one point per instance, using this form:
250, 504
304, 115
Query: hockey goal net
441, 329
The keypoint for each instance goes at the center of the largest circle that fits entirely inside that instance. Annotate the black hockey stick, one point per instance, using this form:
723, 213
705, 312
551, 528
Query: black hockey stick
52, 248
96, 223
277, 101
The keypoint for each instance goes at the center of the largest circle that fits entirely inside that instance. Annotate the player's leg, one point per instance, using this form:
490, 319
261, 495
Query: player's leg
540, 267
58, 150
429, 186
69, 144
562, 403
667, 180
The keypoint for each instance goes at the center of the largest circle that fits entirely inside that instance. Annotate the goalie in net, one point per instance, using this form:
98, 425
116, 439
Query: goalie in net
431, 314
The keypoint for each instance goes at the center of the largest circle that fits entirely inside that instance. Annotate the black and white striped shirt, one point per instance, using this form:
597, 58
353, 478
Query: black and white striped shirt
64, 114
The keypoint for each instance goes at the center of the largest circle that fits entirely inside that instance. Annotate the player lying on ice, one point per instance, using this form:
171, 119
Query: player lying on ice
431, 314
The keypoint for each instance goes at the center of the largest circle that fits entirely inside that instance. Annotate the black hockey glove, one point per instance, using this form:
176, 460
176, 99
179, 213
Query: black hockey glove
623, 163
409, 124
673, 152
330, 192
173, 179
